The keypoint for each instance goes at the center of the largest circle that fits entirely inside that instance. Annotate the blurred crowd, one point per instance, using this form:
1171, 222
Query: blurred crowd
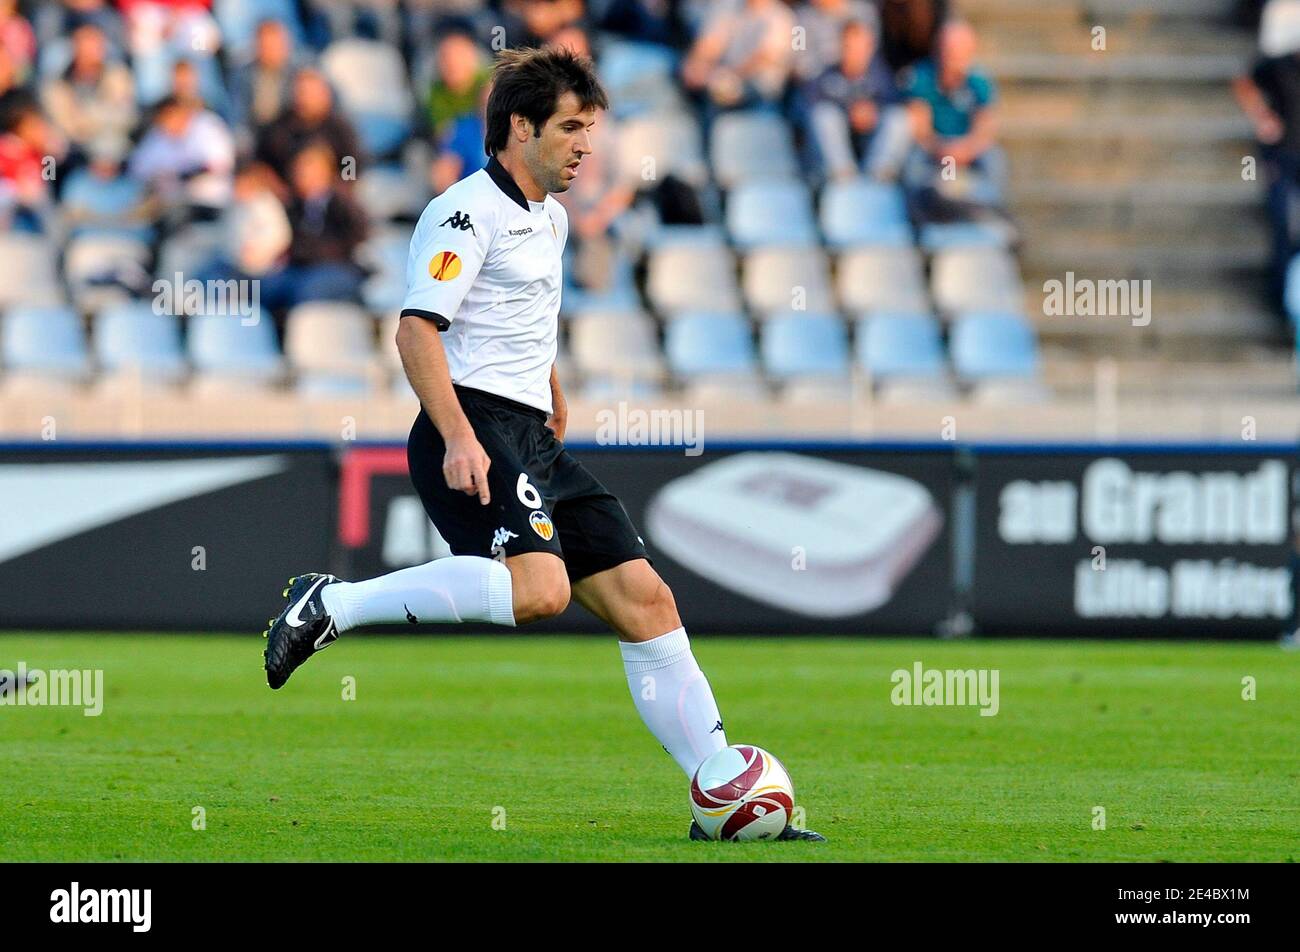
263, 115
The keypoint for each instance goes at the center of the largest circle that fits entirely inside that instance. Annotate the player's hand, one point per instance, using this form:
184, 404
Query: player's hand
465, 467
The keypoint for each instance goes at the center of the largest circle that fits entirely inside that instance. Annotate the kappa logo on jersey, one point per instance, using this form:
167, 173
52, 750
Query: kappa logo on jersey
502, 536
444, 266
460, 220
542, 525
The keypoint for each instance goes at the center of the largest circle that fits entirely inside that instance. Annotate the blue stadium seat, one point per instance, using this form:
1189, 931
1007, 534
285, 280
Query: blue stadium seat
1291, 296
369, 77
944, 236
804, 345
747, 146
223, 344
862, 212
94, 205
988, 346
709, 344
45, 340
132, 337
900, 345
771, 212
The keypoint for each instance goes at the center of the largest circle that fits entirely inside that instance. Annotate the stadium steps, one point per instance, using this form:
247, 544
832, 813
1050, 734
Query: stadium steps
1127, 164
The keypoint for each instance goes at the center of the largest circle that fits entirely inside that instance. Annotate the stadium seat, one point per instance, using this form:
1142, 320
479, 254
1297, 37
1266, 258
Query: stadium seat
330, 338
43, 340
132, 337
387, 192
881, 279
333, 386
699, 236
654, 146
862, 212
988, 346
1291, 296
900, 345
617, 346
698, 345
99, 206
28, 275
191, 251
945, 236
773, 212
804, 345
785, 279
639, 77
697, 278
154, 72
385, 254
369, 78
746, 146
976, 279
1279, 28
104, 270
224, 345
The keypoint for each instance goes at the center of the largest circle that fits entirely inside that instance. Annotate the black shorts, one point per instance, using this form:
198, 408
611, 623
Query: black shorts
542, 499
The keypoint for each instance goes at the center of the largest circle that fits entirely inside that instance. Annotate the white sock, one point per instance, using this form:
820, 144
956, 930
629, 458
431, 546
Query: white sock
674, 698
458, 588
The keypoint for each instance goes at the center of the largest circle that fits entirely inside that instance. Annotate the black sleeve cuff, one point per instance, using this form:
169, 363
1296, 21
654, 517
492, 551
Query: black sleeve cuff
439, 321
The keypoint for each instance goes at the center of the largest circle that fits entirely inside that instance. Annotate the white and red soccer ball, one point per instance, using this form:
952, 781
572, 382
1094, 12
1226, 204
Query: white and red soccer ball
742, 793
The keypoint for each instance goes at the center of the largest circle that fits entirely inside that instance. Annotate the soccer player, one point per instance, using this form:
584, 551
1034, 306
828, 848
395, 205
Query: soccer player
529, 526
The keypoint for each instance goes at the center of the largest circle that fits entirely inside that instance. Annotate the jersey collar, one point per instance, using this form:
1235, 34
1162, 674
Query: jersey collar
506, 183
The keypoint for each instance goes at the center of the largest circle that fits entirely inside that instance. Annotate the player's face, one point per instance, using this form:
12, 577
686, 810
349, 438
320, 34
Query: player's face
565, 141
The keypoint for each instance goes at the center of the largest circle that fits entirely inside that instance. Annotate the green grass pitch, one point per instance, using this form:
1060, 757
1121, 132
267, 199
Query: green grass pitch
447, 735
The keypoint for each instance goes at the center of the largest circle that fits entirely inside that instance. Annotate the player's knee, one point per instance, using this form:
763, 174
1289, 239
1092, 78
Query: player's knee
543, 601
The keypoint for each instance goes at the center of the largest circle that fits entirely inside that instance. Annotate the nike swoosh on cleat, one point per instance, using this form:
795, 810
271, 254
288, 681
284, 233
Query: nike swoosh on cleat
327, 638
294, 619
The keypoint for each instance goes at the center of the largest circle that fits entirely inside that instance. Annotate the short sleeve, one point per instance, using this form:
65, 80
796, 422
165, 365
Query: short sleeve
444, 260
986, 93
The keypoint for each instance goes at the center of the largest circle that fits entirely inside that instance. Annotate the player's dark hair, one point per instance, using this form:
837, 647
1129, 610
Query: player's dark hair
530, 82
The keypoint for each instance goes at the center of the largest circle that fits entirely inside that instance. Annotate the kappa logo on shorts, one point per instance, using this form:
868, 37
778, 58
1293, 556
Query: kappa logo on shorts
444, 266
542, 525
499, 540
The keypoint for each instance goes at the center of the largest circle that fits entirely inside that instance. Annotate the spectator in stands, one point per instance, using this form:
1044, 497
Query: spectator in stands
183, 26
457, 89
187, 158
460, 148
855, 111
30, 150
311, 116
8, 74
742, 56
534, 22
951, 103
650, 21
260, 90
909, 30
257, 229
327, 225
17, 38
823, 24
93, 101
54, 20
1270, 97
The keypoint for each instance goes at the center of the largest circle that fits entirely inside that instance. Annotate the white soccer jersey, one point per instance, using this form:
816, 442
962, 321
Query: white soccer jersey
484, 266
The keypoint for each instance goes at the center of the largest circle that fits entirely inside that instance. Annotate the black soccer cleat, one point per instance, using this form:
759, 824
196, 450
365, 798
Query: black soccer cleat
789, 833
302, 629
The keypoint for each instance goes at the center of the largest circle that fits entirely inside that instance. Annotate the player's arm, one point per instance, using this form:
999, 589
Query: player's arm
559, 418
440, 270
466, 464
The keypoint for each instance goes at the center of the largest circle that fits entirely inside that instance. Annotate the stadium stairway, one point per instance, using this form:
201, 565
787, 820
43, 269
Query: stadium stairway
1127, 164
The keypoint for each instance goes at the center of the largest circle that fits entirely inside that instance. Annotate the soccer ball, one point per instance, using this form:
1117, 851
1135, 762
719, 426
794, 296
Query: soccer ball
742, 793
